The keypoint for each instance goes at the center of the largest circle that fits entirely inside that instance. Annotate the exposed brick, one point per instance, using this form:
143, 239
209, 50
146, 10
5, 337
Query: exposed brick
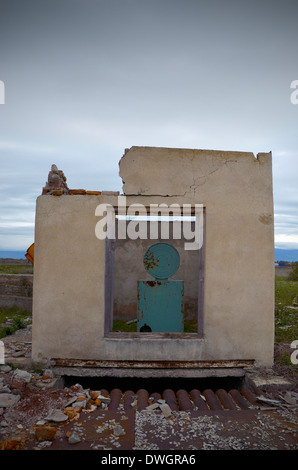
77, 191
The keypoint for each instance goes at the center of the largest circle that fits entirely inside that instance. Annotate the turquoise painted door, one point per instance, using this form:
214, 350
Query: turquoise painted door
160, 303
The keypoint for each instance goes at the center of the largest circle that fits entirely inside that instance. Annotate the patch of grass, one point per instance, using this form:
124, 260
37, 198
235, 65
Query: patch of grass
191, 326
16, 269
286, 311
13, 319
285, 359
119, 325
285, 291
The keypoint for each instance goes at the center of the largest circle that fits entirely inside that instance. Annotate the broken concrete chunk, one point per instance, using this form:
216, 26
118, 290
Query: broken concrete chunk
8, 399
166, 410
154, 406
74, 438
118, 430
102, 398
290, 398
56, 416
45, 433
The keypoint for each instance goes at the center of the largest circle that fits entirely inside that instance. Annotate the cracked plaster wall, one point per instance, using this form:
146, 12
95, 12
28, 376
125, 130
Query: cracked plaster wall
238, 320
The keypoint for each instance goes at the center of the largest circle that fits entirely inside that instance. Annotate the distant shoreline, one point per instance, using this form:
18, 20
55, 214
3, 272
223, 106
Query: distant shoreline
14, 261
19, 256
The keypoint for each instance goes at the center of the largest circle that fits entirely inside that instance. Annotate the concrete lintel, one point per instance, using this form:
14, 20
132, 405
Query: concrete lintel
148, 373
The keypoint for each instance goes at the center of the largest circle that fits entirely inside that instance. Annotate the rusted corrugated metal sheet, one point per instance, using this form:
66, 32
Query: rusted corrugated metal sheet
181, 400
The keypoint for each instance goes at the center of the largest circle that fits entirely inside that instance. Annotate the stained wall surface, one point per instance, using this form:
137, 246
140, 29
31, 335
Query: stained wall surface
235, 189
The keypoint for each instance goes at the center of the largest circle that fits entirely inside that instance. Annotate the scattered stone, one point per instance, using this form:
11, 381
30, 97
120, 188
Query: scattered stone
74, 438
8, 399
20, 374
18, 385
44, 444
47, 383
49, 372
70, 402
45, 433
10, 444
118, 430
154, 406
57, 416
102, 398
290, 398
79, 405
4, 388
41, 422
18, 353
70, 412
162, 405
166, 410
81, 398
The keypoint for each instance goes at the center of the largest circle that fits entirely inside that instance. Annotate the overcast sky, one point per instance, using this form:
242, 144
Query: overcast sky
85, 79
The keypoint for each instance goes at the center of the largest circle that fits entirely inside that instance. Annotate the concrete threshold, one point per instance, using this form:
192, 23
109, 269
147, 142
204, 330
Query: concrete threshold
149, 373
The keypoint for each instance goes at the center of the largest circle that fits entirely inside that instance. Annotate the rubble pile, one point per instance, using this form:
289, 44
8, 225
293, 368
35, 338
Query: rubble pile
56, 184
32, 406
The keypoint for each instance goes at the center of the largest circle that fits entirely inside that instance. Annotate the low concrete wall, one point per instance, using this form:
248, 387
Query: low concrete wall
16, 289
283, 271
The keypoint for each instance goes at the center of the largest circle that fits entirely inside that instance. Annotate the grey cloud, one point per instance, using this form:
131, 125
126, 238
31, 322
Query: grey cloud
86, 79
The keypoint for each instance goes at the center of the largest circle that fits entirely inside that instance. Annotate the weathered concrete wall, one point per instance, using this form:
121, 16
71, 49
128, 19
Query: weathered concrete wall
69, 273
16, 289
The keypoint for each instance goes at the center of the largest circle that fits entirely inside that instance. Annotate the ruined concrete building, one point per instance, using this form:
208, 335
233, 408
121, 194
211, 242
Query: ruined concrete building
86, 276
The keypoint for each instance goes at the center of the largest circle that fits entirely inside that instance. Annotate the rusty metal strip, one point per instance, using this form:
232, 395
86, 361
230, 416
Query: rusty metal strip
142, 396
170, 398
239, 399
115, 396
155, 396
151, 364
212, 400
184, 401
128, 399
226, 400
249, 396
199, 402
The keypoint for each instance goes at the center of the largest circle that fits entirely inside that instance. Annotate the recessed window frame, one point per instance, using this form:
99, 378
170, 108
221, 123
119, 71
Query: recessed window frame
112, 212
